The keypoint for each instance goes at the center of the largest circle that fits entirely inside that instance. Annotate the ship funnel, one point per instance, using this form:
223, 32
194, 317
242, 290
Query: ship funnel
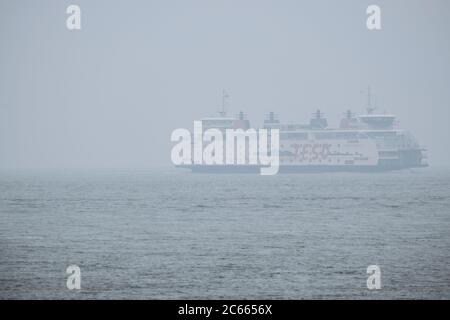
349, 121
318, 121
271, 121
241, 122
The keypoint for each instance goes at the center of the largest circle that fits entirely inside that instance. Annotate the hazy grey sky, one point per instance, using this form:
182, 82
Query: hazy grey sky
110, 94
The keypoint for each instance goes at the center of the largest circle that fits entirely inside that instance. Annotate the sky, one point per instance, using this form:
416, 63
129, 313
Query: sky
109, 95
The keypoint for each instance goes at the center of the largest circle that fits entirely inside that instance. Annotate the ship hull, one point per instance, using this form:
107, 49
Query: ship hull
218, 169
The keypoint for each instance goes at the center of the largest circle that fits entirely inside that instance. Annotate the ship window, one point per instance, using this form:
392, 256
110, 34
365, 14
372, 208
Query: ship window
388, 153
294, 135
337, 135
380, 134
362, 135
346, 135
324, 135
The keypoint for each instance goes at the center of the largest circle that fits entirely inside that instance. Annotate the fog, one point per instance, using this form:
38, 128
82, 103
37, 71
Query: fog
109, 95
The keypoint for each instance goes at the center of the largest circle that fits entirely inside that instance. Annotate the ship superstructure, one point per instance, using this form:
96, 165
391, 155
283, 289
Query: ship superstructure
367, 142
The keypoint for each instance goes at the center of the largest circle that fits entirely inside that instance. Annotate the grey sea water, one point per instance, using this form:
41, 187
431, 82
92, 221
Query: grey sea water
164, 234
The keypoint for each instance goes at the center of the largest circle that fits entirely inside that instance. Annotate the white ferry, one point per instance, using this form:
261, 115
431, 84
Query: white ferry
368, 142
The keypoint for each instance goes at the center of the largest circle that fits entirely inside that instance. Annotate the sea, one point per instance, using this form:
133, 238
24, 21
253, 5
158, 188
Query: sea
165, 233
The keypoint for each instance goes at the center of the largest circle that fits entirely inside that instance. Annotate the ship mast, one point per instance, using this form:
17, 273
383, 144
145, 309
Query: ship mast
223, 111
369, 108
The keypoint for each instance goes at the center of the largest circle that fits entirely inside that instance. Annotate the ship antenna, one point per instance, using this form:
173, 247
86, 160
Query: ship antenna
370, 108
225, 97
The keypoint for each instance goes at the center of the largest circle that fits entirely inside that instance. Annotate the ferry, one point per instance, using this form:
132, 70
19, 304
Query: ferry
370, 142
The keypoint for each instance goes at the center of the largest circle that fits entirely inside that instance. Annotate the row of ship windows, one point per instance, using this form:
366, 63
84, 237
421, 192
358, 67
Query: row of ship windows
319, 161
336, 135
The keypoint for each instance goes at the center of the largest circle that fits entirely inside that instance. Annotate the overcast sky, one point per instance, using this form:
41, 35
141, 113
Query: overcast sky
109, 95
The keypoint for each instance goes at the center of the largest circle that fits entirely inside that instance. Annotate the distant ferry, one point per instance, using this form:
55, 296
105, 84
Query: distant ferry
364, 143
